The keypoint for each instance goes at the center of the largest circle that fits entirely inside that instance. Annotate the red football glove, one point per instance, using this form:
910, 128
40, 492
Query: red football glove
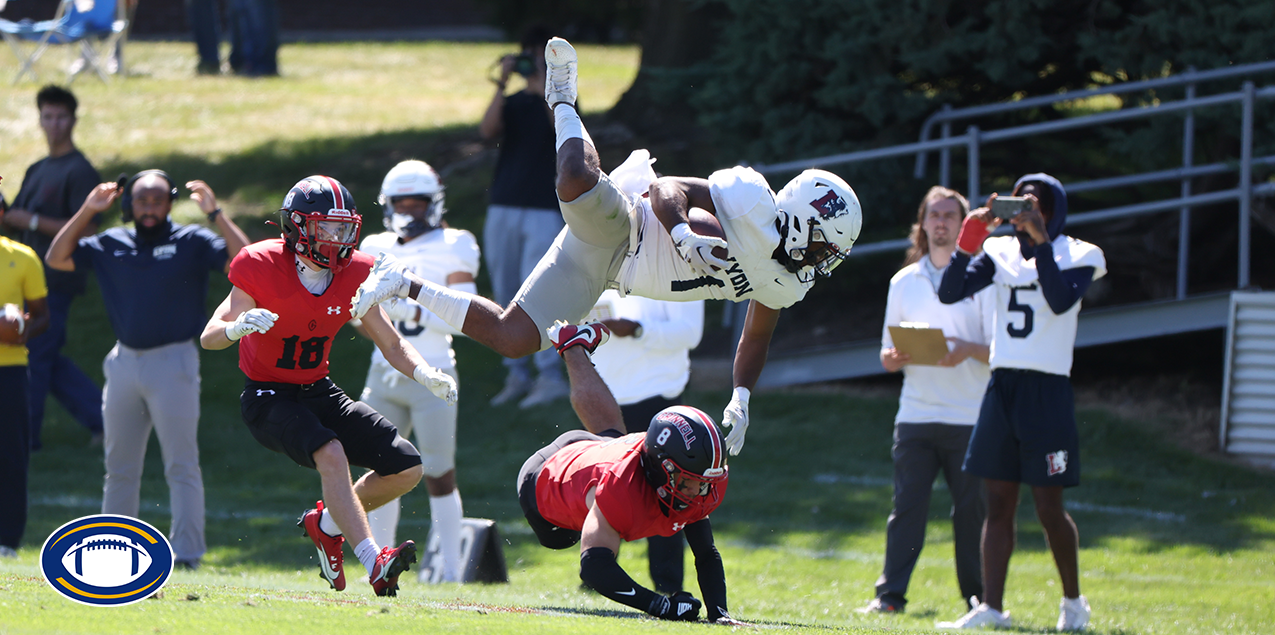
973, 233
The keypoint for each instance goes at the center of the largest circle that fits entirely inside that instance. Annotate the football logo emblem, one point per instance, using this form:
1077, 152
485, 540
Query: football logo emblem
106, 560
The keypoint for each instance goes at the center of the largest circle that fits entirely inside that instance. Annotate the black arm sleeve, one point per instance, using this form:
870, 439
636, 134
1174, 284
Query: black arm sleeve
603, 574
1062, 289
708, 568
963, 277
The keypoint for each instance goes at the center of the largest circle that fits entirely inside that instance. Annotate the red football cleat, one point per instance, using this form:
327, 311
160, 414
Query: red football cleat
330, 554
389, 564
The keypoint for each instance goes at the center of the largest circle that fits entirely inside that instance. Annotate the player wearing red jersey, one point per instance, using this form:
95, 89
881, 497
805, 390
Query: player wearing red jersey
288, 301
599, 487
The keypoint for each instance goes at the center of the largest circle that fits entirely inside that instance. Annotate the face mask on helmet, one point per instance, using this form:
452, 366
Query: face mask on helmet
819, 219
319, 222
684, 458
413, 199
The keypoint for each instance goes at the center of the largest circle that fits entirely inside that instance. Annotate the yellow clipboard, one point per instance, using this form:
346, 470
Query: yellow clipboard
926, 345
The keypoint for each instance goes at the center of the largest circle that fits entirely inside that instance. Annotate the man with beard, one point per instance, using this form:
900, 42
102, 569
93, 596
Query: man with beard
155, 284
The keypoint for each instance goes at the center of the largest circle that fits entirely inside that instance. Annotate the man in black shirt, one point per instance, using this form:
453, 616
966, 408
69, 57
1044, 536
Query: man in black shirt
523, 217
52, 190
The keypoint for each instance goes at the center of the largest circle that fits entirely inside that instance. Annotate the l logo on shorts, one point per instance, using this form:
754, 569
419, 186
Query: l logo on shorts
1056, 462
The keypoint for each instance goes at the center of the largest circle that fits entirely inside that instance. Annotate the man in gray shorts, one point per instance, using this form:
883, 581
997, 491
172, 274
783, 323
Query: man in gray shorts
154, 278
638, 239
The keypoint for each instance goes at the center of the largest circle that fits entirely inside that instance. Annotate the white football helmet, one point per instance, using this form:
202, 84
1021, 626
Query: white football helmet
817, 208
416, 179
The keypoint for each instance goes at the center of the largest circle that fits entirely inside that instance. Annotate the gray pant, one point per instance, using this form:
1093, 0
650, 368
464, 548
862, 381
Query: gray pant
155, 388
920, 451
514, 240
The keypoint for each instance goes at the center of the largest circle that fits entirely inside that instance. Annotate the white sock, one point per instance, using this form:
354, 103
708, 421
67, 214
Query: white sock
327, 525
383, 521
445, 513
448, 304
566, 121
367, 552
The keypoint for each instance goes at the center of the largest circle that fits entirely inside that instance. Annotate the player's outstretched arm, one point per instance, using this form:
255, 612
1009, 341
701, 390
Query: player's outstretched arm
671, 201
709, 571
590, 396
599, 542
750, 358
404, 357
234, 318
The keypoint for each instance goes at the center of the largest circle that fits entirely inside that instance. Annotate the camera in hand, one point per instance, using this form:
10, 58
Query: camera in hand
1007, 207
524, 65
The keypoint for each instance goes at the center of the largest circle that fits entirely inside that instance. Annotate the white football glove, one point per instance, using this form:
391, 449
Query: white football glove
402, 310
441, 384
386, 280
250, 321
736, 418
697, 250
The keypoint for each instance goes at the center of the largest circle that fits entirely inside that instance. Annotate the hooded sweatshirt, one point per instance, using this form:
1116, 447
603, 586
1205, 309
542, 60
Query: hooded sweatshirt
1039, 288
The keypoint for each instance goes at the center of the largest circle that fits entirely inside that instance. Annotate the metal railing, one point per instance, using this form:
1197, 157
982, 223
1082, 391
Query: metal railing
974, 138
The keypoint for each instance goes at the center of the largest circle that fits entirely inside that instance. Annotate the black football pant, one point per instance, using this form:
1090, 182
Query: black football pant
15, 453
921, 451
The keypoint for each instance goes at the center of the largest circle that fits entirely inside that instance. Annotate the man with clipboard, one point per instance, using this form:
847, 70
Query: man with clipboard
942, 350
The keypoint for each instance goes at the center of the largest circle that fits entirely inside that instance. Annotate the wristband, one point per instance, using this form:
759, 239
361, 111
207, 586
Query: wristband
212, 216
973, 233
35, 222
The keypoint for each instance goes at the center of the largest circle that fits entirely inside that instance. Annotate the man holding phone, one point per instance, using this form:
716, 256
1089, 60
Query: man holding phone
937, 406
523, 217
1026, 430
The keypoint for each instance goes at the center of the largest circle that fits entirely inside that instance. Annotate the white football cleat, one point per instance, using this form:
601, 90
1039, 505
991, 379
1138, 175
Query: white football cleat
980, 616
1073, 615
383, 282
560, 75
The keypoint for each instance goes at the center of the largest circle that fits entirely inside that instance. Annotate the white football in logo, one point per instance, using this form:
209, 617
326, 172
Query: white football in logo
106, 560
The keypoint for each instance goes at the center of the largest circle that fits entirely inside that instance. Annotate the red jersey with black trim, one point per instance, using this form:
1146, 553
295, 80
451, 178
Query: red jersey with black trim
623, 494
295, 350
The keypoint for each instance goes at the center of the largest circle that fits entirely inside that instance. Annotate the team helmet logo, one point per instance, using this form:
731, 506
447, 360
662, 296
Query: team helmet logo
830, 205
307, 187
106, 560
1056, 462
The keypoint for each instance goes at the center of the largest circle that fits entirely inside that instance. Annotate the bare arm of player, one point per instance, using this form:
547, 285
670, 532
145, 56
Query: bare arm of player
99, 200
754, 343
237, 303
398, 351
672, 197
590, 396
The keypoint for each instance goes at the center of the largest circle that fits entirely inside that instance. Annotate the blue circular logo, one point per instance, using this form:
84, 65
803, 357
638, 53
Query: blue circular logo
106, 560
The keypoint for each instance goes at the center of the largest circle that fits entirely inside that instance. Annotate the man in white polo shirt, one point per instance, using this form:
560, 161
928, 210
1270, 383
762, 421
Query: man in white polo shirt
938, 406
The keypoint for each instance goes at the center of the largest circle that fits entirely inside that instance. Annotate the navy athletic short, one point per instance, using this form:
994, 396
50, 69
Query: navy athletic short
549, 534
1026, 431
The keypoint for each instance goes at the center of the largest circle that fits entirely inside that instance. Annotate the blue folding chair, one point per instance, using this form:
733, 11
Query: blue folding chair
97, 29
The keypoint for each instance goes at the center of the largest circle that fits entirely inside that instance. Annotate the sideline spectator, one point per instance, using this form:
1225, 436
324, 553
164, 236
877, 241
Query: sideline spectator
255, 37
22, 283
1026, 430
523, 218
155, 285
646, 365
52, 190
412, 196
938, 405
205, 26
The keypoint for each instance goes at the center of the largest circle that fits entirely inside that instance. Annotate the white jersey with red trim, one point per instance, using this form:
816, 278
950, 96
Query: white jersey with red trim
747, 212
433, 256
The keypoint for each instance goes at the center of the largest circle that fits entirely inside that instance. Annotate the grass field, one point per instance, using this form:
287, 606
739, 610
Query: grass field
1171, 543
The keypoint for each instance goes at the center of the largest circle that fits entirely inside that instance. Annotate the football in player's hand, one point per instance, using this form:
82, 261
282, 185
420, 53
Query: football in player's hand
705, 224
11, 324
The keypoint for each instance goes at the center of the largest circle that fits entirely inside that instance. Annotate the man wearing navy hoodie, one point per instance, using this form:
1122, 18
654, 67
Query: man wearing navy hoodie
1026, 430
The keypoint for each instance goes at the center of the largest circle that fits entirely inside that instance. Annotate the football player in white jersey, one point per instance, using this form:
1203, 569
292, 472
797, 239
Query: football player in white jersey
412, 197
1026, 430
775, 246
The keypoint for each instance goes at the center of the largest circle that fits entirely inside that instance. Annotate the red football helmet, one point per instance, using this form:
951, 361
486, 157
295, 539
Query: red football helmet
320, 222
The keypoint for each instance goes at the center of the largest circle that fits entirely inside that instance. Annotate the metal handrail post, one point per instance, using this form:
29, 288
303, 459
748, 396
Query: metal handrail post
1184, 214
1246, 183
971, 145
945, 156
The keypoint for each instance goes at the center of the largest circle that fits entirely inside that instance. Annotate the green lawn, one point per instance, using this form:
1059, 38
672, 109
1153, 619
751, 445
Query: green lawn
1171, 543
